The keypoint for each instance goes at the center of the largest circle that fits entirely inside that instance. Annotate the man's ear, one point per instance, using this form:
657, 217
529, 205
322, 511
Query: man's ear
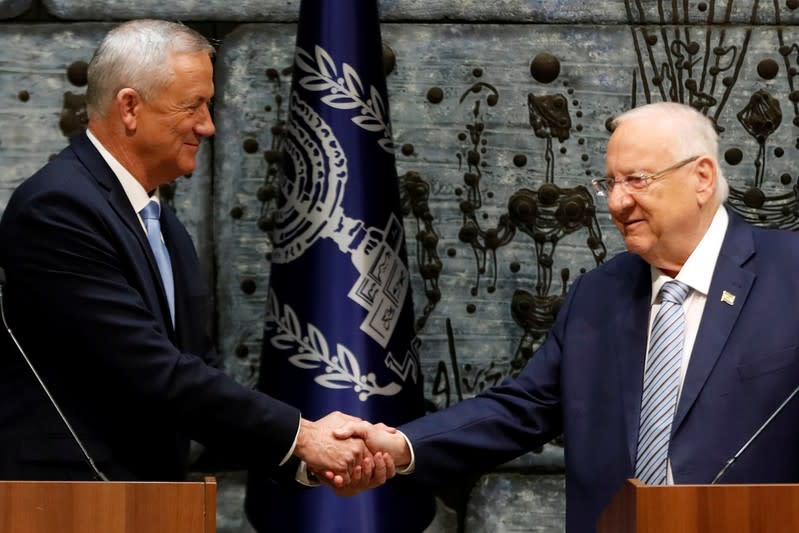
128, 104
707, 173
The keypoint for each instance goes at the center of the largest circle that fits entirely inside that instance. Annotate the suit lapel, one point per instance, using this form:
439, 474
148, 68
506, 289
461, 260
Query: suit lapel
719, 317
633, 293
120, 203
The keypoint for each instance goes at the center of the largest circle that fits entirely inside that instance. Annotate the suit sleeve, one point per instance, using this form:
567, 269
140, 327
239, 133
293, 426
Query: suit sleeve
76, 294
497, 425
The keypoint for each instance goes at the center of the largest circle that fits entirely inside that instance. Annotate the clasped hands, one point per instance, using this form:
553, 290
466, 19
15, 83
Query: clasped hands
350, 454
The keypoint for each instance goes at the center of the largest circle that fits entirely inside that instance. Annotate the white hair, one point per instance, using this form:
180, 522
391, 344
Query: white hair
695, 134
136, 55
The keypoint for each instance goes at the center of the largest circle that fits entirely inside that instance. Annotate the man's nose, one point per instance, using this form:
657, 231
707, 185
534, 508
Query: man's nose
619, 198
205, 127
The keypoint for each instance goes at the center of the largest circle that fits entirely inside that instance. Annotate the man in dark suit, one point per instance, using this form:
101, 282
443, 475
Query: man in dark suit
601, 379
105, 294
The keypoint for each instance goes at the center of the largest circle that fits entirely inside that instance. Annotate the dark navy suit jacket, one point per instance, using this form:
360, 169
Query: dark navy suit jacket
85, 300
586, 381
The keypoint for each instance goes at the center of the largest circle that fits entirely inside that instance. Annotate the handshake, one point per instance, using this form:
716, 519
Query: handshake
350, 454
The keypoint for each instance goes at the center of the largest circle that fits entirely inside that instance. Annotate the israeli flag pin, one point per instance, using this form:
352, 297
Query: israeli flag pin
728, 298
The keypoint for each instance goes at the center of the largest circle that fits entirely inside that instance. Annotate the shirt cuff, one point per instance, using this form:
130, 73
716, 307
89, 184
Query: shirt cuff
293, 445
305, 476
412, 465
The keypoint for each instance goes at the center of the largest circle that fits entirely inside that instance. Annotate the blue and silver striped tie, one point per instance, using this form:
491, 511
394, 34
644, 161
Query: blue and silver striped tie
661, 384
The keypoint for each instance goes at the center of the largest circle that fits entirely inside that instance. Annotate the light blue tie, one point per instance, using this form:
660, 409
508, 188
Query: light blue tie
150, 214
661, 384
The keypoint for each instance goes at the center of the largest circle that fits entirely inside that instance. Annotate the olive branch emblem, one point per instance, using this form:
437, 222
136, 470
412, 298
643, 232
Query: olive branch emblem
345, 92
311, 352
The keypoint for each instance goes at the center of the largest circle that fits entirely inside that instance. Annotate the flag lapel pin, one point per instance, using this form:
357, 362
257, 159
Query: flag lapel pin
728, 298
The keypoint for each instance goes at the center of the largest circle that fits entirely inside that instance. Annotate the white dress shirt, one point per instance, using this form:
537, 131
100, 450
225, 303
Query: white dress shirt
697, 273
137, 196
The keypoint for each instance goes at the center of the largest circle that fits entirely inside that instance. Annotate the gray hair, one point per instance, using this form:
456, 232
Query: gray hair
136, 55
695, 134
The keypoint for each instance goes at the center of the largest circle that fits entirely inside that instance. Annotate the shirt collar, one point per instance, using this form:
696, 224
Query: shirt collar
697, 272
137, 196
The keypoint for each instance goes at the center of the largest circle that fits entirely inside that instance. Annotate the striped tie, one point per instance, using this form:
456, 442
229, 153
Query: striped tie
661, 383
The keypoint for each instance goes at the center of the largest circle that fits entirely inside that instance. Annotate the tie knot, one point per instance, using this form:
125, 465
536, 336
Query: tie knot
152, 211
674, 291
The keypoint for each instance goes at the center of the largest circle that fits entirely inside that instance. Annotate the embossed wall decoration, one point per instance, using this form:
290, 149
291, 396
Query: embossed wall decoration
12, 8
745, 78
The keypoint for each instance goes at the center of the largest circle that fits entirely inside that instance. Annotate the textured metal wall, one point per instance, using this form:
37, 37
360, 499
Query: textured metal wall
500, 112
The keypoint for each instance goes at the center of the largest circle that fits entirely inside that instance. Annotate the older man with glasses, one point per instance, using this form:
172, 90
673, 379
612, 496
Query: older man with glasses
664, 361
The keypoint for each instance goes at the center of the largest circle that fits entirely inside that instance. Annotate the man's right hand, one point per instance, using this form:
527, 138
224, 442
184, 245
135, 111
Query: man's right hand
324, 452
372, 473
378, 438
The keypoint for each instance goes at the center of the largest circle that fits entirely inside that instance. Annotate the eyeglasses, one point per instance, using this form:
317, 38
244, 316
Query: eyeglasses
635, 183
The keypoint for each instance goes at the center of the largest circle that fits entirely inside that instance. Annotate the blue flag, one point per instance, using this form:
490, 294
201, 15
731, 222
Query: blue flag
339, 331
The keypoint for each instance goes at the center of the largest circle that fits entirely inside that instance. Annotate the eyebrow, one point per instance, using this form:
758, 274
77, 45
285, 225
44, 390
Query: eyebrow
196, 101
636, 173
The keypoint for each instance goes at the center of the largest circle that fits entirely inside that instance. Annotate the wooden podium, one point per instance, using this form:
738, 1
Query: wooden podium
107, 507
639, 508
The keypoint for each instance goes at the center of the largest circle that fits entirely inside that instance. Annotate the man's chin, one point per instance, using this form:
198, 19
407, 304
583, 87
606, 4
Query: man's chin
188, 168
636, 246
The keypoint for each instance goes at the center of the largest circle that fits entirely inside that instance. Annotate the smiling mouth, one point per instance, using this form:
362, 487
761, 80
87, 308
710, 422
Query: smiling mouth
631, 223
